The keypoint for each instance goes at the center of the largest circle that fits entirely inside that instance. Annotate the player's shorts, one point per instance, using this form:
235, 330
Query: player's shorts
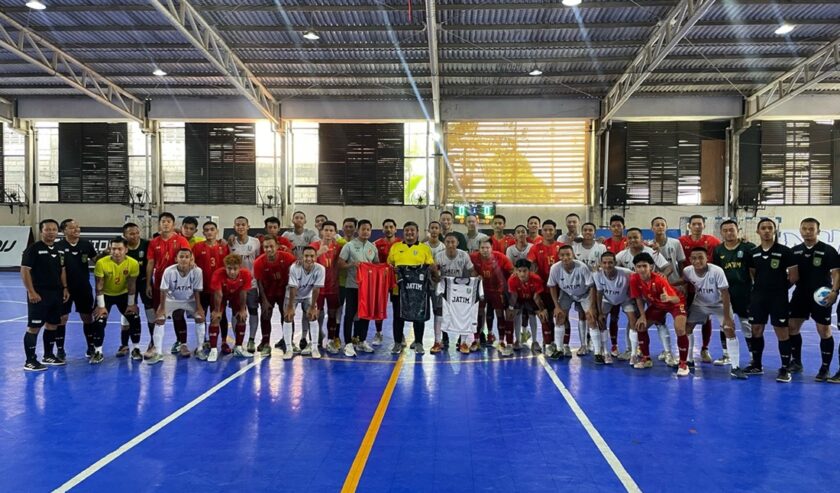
698, 314
802, 305
141, 295
657, 314
233, 303
82, 297
189, 307
628, 306
120, 300
774, 306
527, 307
304, 303
741, 307
566, 302
329, 299
47, 311
495, 300
276, 298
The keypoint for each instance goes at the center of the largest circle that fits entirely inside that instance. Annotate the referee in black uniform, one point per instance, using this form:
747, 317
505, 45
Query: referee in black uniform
77, 256
42, 271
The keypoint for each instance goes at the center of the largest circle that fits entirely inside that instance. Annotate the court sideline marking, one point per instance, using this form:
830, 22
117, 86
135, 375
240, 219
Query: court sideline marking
619, 470
351, 482
96, 466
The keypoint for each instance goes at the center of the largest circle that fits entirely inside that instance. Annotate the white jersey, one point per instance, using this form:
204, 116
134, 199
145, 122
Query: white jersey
625, 259
300, 241
181, 288
460, 297
707, 288
460, 266
673, 252
475, 242
569, 240
435, 249
576, 283
590, 256
615, 291
514, 253
306, 281
249, 251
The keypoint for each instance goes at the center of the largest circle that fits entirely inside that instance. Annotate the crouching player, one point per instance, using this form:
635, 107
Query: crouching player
612, 290
116, 284
647, 286
524, 297
230, 286
306, 279
570, 282
180, 294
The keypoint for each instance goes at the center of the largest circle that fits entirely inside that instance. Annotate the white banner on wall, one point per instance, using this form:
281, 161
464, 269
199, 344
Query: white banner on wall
13, 241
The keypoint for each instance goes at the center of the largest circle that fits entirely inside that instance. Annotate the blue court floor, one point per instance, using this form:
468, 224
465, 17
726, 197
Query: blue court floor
453, 422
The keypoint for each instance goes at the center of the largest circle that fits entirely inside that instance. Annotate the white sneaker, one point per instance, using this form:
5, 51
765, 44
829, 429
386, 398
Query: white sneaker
240, 352
288, 355
418, 348
213, 356
349, 350
365, 347
507, 350
723, 360
608, 359
549, 350
671, 360
281, 352
295, 349
307, 351
526, 334
567, 351
377, 339
625, 356
662, 356
316, 354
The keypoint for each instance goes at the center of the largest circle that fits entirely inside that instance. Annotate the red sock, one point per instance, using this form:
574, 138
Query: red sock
614, 314
378, 324
332, 327
707, 334
644, 343
214, 336
240, 334
548, 333
682, 344
265, 329
223, 326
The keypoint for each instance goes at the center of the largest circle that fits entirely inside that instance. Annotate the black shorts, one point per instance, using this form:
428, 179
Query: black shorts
527, 307
120, 301
81, 297
774, 306
741, 307
141, 293
46, 311
802, 305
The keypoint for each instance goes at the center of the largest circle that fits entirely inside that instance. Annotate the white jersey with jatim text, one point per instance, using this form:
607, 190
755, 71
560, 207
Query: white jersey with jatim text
615, 291
459, 266
178, 287
249, 251
514, 253
305, 281
707, 288
625, 259
576, 283
590, 256
460, 297
673, 252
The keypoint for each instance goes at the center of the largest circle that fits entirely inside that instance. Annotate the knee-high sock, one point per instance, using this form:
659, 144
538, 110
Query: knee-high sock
664, 337
567, 333
419, 329
734, 351
582, 332
240, 333
438, 327
595, 334
746, 329
253, 323
758, 349
644, 343
723, 342
796, 347
614, 315
548, 331
559, 334
605, 342
49, 338
180, 326
60, 332
517, 328
314, 332
508, 328
98, 333
157, 337
682, 346
135, 329
223, 327
88, 330
288, 333
691, 347
784, 352
707, 334
124, 335
378, 324
634, 342
214, 336
827, 351
265, 330
30, 343
332, 327
199, 333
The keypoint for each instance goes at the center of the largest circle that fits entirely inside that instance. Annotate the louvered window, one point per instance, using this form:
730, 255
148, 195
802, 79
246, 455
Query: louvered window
92, 163
663, 162
220, 163
517, 162
361, 164
796, 162
12, 164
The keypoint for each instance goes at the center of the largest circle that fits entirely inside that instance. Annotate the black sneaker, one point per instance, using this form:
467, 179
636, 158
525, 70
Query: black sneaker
89, 352
835, 378
281, 344
738, 374
61, 354
34, 365
303, 344
599, 359
53, 360
445, 340
823, 374
136, 355
96, 358
690, 364
795, 367
783, 376
754, 370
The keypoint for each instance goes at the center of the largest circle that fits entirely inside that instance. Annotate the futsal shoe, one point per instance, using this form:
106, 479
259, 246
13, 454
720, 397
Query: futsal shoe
303, 343
296, 348
491, 340
281, 344
625, 356
334, 346
213, 356
582, 351
96, 358
738, 374
176, 347
307, 351
705, 356
683, 370
662, 355
52, 360
822, 375
463, 348
517, 346
184, 352
34, 365
136, 355
783, 376
567, 351
226, 348
364, 347
549, 350
526, 334
644, 364
535, 347
61, 354
377, 339
835, 378
150, 351
598, 359
251, 347
397, 348
200, 354
316, 353
122, 352
795, 367
265, 350
154, 359
418, 348
474, 347
608, 359
288, 355
350, 350
614, 351
753, 370
671, 360
437, 347
240, 352
722, 361
507, 350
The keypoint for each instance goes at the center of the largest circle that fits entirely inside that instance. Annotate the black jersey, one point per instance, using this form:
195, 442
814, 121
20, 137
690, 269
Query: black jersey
815, 265
77, 262
414, 287
46, 263
139, 254
734, 264
771, 268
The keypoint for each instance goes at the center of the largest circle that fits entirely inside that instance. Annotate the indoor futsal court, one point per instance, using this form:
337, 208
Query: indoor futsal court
609, 231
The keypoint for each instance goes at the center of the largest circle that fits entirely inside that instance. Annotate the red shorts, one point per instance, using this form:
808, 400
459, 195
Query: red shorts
233, 303
496, 299
276, 298
657, 314
331, 300
155, 296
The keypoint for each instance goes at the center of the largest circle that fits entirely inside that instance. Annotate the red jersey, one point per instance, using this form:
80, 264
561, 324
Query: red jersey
375, 281
536, 240
231, 288
615, 246
329, 260
384, 247
283, 243
651, 290
525, 290
708, 242
494, 271
274, 276
544, 256
209, 258
502, 245
165, 253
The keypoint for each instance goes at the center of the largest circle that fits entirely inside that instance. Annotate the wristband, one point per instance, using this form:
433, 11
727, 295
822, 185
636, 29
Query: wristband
131, 301
100, 300
511, 308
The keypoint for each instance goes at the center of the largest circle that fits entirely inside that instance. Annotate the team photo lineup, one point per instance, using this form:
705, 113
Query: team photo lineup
516, 292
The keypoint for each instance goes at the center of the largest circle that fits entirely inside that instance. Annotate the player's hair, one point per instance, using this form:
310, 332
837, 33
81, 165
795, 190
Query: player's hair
616, 217
45, 222
310, 247
520, 226
270, 238
183, 249
271, 220
410, 223
630, 230
64, 224
446, 212
765, 220
350, 220
485, 241
810, 220
589, 224
321, 215
129, 225
499, 216
607, 254
242, 217
451, 234
232, 260
643, 257
551, 222
698, 249
658, 218
697, 216
729, 221
119, 239
362, 222
299, 212
166, 214
208, 223
566, 247
534, 217
573, 214
330, 223
523, 263
389, 220
190, 220
433, 222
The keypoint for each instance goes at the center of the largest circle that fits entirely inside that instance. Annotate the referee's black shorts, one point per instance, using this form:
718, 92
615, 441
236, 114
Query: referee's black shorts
82, 297
774, 306
802, 305
47, 311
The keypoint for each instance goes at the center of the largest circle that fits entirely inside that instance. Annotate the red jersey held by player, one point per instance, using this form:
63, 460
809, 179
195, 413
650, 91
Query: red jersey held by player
231, 288
525, 290
708, 242
209, 258
494, 271
384, 247
283, 243
615, 246
651, 290
274, 275
329, 260
165, 252
502, 245
544, 256
375, 281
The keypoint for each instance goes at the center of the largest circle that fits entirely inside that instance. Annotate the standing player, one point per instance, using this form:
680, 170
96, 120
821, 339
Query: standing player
534, 233
357, 251
189, 226
271, 269
383, 246
542, 256
572, 230
773, 269
116, 284
588, 250
500, 240
612, 289
668, 248
210, 256
77, 256
272, 227
434, 240
731, 256
163, 252
320, 219
410, 253
451, 262
446, 221
348, 232
494, 269
230, 285
299, 235
524, 298
616, 244
180, 294
306, 278
44, 277
818, 267
570, 283
520, 248
248, 248
474, 236
137, 248
711, 297
327, 251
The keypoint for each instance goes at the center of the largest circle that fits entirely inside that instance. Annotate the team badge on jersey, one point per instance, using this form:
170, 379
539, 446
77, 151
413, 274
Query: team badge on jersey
774, 264
84, 258
740, 254
817, 261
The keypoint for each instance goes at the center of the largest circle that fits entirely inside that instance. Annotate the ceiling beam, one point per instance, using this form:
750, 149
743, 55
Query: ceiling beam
29, 46
664, 38
434, 66
820, 66
200, 34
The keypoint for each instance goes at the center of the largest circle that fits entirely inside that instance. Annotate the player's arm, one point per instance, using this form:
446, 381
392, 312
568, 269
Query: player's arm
243, 305
131, 284
150, 272
100, 310
727, 308
312, 313
669, 294
26, 278
65, 294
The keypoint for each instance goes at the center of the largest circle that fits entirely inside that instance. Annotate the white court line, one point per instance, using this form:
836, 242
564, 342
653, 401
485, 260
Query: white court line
13, 319
96, 466
596, 437
13, 301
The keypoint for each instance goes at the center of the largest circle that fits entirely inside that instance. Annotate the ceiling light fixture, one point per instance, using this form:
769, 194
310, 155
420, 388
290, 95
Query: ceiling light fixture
35, 5
571, 3
784, 28
158, 72
311, 35
535, 72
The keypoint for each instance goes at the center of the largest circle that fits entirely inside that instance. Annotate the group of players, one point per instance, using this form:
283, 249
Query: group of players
531, 275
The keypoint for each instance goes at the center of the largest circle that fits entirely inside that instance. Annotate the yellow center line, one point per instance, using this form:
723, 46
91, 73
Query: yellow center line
351, 482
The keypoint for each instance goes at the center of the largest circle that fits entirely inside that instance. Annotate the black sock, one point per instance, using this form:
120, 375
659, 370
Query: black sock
722, 339
796, 347
135, 329
784, 352
758, 350
124, 337
59, 336
49, 338
827, 351
748, 340
88, 330
30, 341
97, 332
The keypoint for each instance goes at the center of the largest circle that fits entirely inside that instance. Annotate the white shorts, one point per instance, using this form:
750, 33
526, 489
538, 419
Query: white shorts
189, 307
698, 314
628, 306
567, 301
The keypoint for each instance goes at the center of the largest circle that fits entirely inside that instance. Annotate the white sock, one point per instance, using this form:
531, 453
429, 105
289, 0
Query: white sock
734, 350
469, 339
517, 327
438, 325
199, 333
288, 328
605, 341
664, 337
595, 334
582, 332
253, 323
98, 349
628, 338
634, 342
532, 325
691, 347
314, 332
157, 337
559, 334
